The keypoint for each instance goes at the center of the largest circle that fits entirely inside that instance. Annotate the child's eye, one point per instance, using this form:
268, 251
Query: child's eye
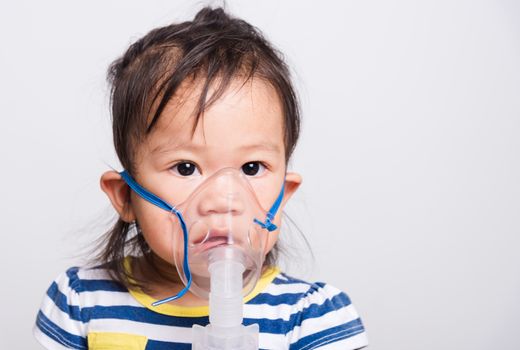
185, 169
253, 168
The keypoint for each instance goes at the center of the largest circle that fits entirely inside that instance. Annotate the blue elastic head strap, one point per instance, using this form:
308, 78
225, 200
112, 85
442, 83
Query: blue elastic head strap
155, 200
152, 198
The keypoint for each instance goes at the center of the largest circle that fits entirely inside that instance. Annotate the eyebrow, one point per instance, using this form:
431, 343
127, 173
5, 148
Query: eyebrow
168, 147
270, 147
163, 148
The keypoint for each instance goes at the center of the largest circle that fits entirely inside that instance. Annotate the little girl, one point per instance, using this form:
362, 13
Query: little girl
196, 106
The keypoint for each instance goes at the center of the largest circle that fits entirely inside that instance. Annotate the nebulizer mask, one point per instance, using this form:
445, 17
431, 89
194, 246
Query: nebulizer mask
219, 235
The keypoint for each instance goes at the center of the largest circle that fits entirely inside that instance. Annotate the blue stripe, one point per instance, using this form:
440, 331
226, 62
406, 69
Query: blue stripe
99, 285
278, 326
289, 280
142, 314
330, 335
162, 345
62, 303
86, 285
275, 300
59, 335
338, 302
133, 313
72, 274
139, 314
285, 298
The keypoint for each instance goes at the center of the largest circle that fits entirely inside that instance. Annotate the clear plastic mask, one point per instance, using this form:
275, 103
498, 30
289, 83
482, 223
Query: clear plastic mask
223, 211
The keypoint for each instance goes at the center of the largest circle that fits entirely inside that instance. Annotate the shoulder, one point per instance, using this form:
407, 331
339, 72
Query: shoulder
82, 287
68, 303
317, 314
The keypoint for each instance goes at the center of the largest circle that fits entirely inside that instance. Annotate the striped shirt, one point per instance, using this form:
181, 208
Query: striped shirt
84, 309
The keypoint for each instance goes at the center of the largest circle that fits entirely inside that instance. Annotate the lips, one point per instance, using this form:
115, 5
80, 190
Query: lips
213, 238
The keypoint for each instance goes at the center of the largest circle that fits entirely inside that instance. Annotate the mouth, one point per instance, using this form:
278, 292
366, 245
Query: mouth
214, 238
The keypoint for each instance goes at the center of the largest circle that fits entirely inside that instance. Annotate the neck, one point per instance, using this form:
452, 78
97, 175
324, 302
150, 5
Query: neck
161, 280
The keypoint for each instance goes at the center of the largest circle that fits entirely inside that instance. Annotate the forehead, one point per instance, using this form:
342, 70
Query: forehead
246, 113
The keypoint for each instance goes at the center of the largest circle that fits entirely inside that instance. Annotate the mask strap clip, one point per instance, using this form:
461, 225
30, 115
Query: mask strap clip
268, 223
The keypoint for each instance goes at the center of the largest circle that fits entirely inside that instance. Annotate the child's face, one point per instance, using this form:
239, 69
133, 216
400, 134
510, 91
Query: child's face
243, 129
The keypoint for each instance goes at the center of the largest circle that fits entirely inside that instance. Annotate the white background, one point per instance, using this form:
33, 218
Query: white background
410, 154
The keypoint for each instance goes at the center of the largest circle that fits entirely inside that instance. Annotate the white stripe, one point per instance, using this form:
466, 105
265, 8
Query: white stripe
282, 277
318, 324
354, 342
273, 341
285, 311
277, 289
318, 296
105, 298
94, 274
99, 297
45, 341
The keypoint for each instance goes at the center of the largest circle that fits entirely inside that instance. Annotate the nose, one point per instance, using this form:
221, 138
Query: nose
222, 199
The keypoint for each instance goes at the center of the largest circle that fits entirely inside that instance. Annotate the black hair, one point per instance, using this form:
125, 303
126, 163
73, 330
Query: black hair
214, 48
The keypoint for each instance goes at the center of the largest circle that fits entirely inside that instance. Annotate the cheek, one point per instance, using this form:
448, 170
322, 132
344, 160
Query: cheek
271, 241
267, 190
158, 230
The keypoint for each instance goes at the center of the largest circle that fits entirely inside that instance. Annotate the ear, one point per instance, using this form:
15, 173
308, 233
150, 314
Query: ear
292, 183
118, 192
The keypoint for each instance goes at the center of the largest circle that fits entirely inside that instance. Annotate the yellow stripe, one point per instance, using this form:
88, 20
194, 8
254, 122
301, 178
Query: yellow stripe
116, 341
197, 311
